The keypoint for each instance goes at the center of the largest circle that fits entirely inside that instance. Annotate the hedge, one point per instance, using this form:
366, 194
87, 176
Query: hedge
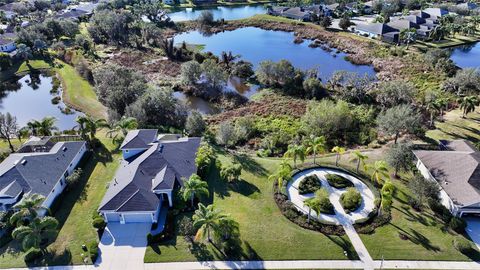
351, 200
99, 223
338, 181
93, 250
309, 184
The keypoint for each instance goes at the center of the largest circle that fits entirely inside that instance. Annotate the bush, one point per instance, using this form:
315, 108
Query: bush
338, 181
440, 210
99, 223
309, 184
457, 224
32, 254
324, 202
186, 227
93, 250
351, 199
461, 244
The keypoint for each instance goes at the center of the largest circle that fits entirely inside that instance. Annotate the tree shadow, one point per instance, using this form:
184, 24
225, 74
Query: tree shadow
250, 253
54, 258
345, 245
245, 188
418, 239
250, 165
201, 252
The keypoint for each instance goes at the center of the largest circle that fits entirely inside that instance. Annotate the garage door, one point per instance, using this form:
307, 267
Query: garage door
136, 218
113, 217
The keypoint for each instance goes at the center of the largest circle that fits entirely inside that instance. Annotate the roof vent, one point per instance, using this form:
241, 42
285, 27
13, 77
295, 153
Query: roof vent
64, 148
160, 148
24, 162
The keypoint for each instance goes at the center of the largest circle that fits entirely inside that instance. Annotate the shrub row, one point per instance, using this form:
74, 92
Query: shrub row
309, 184
374, 221
93, 250
297, 217
338, 181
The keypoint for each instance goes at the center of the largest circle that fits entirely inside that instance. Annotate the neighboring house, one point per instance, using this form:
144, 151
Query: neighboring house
467, 6
276, 10
456, 169
39, 167
146, 180
204, 2
169, 2
377, 30
7, 42
435, 13
297, 13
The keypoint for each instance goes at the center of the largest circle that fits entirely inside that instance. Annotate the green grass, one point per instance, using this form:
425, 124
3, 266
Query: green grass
448, 42
75, 209
265, 232
456, 127
37, 64
78, 93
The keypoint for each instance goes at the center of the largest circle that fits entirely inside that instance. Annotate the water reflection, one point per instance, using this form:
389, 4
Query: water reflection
227, 13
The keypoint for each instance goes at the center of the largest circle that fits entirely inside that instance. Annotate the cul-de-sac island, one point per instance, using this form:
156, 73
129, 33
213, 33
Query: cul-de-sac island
239, 134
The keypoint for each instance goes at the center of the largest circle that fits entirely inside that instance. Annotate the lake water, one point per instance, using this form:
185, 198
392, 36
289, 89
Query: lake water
31, 99
467, 56
196, 103
256, 45
227, 13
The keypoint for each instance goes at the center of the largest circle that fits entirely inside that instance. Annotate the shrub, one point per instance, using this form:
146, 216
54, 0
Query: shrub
457, 224
231, 173
440, 210
351, 199
93, 250
185, 227
309, 184
32, 254
338, 181
99, 223
462, 244
325, 206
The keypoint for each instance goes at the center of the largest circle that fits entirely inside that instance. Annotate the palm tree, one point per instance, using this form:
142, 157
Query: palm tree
442, 104
379, 170
194, 187
315, 145
295, 151
28, 208
38, 230
387, 196
339, 151
359, 157
207, 220
122, 126
283, 174
87, 124
33, 126
227, 58
43, 127
467, 104
433, 107
408, 36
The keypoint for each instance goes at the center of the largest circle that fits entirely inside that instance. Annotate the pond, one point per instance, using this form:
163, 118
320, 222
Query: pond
196, 103
227, 13
467, 56
29, 98
256, 45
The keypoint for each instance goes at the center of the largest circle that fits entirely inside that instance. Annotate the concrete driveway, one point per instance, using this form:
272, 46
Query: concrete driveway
473, 229
123, 246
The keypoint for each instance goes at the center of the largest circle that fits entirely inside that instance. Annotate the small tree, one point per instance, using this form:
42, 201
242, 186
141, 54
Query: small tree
398, 119
423, 189
195, 125
231, 173
73, 178
360, 158
326, 22
379, 171
206, 18
315, 145
8, 128
339, 151
344, 23
400, 157
282, 175
226, 134
387, 197
193, 188
295, 152
467, 104
39, 229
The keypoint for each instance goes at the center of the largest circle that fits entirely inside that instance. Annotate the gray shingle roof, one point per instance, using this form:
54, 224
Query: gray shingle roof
458, 173
402, 24
375, 28
139, 139
161, 166
37, 172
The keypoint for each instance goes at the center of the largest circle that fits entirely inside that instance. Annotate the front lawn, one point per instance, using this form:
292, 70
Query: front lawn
456, 127
265, 232
75, 209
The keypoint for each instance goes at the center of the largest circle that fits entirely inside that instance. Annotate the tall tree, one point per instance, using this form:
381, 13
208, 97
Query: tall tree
360, 158
315, 145
400, 157
283, 174
387, 197
194, 187
398, 119
8, 128
88, 125
39, 229
339, 151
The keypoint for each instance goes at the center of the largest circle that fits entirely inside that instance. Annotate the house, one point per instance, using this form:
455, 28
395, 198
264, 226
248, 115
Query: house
435, 13
276, 10
204, 2
148, 176
7, 42
468, 6
377, 30
297, 13
40, 166
456, 168
402, 24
